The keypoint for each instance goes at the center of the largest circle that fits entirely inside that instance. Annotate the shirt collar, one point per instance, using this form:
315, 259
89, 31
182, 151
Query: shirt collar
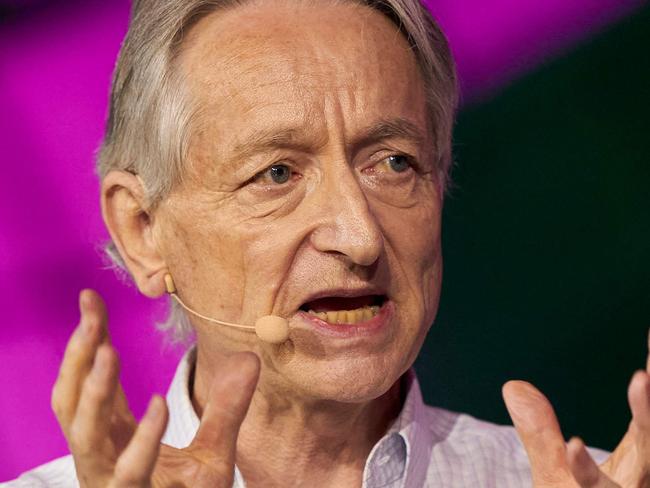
183, 421
400, 458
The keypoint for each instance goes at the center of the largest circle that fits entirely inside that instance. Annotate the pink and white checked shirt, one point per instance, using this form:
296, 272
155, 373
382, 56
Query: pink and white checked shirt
425, 447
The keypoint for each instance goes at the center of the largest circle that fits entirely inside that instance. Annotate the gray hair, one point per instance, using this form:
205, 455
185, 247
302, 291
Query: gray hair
150, 113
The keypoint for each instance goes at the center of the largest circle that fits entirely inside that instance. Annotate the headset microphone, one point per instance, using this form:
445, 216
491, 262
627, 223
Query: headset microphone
270, 328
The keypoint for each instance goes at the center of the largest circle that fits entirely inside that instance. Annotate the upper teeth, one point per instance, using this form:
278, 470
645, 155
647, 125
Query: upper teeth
347, 316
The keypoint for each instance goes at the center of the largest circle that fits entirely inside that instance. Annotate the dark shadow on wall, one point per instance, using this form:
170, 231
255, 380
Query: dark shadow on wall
546, 241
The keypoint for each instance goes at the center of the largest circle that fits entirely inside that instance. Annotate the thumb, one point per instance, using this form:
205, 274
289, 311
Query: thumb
539, 431
228, 400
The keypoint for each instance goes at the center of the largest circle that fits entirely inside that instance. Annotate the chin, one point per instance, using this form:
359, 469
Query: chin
351, 379
352, 371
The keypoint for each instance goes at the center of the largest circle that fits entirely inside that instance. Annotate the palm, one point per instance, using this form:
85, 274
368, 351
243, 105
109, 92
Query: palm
174, 467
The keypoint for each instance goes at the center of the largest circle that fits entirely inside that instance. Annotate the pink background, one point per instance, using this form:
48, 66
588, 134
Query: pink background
55, 67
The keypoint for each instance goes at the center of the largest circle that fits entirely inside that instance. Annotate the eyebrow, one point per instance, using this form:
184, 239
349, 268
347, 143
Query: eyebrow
269, 139
294, 138
395, 128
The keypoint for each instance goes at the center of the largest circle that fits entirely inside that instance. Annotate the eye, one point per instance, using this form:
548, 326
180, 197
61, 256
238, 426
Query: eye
277, 173
280, 173
399, 163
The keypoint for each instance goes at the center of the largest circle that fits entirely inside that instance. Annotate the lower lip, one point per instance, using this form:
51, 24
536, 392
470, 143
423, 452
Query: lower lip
369, 327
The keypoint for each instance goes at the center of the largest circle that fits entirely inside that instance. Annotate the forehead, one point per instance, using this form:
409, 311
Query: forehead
300, 64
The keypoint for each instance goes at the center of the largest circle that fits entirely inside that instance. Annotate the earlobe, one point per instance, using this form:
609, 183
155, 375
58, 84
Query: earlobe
124, 209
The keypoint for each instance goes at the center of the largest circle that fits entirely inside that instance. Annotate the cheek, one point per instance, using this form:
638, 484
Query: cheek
266, 251
429, 272
229, 259
413, 243
413, 234
267, 259
206, 265
205, 253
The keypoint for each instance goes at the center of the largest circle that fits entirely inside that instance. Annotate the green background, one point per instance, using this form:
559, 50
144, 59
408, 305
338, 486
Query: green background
546, 241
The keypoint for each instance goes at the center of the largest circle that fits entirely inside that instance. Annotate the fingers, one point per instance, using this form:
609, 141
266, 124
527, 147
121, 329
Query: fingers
638, 395
639, 399
123, 423
135, 465
230, 395
647, 361
585, 471
79, 356
540, 433
92, 422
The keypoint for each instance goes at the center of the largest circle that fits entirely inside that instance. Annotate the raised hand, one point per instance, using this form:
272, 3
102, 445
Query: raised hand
110, 448
555, 464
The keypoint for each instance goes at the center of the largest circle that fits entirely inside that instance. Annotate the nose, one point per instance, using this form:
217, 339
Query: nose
345, 222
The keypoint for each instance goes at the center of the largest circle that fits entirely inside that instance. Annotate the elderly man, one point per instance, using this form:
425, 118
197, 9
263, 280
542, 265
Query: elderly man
287, 159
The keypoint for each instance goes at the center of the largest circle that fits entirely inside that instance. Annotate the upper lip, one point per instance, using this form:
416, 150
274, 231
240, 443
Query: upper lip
346, 292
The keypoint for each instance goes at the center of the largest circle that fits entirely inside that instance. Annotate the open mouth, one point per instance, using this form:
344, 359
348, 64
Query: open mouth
345, 310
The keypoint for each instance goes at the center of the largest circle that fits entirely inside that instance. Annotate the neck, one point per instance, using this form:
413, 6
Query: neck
324, 442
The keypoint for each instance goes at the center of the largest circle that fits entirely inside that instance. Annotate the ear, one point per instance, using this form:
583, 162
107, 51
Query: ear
124, 211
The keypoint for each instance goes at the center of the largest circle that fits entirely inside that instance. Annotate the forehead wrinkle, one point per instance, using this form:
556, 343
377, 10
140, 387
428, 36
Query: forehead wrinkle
244, 51
234, 65
273, 73
248, 53
289, 137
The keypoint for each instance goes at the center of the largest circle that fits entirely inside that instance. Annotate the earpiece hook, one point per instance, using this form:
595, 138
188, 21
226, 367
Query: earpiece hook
269, 328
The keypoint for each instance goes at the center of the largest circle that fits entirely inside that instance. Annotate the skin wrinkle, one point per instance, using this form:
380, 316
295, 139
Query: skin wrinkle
314, 347
334, 454
238, 252
188, 251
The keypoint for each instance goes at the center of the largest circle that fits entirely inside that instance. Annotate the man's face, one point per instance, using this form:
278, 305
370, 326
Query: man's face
311, 177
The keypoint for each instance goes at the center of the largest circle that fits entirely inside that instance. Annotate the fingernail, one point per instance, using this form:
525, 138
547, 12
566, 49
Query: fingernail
85, 325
